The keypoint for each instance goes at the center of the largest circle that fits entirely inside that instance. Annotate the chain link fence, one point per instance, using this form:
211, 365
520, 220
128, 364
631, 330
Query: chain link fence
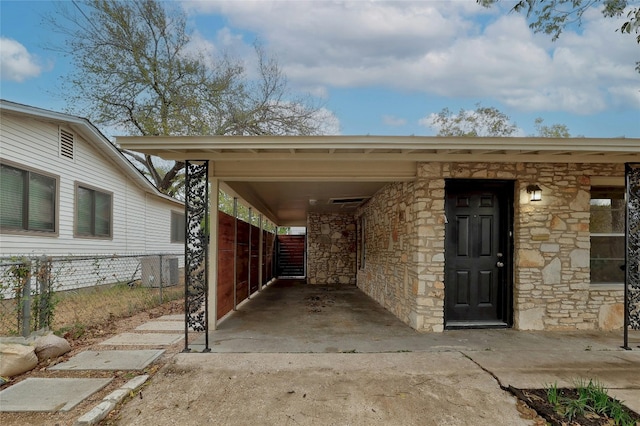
65, 293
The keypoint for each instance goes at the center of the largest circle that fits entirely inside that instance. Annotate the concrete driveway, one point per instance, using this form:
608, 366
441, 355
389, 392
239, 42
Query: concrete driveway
326, 355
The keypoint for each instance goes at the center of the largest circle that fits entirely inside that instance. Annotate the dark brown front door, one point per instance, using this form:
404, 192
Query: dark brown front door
478, 253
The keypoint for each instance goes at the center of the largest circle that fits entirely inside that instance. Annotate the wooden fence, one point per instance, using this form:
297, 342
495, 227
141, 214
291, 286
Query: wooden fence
239, 261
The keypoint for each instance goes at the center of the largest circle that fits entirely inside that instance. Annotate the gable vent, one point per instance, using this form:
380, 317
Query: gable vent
66, 144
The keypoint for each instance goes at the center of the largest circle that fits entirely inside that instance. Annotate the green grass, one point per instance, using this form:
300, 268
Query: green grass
553, 395
75, 310
591, 397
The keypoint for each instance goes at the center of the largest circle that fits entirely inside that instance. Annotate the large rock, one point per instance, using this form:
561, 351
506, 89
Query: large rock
531, 319
51, 347
16, 359
611, 317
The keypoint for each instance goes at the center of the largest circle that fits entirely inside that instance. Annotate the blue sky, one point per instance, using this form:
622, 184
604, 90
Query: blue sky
382, 68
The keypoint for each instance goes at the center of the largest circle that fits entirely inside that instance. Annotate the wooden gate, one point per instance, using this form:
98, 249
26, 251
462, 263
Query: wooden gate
291, 255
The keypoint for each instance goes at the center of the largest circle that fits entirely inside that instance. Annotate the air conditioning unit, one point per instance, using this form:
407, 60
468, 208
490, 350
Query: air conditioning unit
155, 275
170, 270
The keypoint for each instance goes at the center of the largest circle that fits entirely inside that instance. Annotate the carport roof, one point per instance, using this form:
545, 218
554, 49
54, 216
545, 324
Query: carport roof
285, 177
398, 148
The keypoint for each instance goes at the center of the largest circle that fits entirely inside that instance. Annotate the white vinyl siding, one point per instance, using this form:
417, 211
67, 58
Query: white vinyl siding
140, 220
159, 219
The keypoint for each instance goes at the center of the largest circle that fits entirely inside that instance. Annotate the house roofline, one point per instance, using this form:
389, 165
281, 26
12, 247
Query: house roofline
386, 148
378, 142
95, 137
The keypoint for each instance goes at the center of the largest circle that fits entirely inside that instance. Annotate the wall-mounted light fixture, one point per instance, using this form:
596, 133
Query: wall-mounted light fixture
535, 192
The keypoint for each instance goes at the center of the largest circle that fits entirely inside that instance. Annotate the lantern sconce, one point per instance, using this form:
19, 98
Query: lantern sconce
535, 192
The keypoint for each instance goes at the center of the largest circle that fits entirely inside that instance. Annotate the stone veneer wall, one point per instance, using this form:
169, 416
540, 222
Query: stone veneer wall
389, 275
331, 249
404, 269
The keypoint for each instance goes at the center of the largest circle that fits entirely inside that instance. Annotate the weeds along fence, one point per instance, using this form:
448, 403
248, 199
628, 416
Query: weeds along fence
66, 293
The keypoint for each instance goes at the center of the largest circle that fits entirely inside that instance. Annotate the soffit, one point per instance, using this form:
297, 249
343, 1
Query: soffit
278, 176
288, 203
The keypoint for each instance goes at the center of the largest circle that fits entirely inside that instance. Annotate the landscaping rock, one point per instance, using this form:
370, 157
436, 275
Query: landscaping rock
51, 347
16, 359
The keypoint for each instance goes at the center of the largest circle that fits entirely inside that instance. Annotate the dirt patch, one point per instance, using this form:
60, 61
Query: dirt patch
88, 339
536, 399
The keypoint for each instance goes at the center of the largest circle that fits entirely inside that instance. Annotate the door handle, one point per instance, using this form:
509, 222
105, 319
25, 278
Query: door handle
500, 264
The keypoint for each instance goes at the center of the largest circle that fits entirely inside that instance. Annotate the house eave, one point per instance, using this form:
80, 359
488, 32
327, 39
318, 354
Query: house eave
387, 148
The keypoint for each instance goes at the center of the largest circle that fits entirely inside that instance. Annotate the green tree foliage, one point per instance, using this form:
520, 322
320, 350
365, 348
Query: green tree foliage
483, 121
488, 121
552, 16
553, 131
135, 68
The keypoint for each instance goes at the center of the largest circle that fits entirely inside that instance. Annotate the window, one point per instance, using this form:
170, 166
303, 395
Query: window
27, 200
93, 212
177, 227
607, 234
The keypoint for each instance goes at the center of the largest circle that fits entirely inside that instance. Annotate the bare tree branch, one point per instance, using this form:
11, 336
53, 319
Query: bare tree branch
133, 68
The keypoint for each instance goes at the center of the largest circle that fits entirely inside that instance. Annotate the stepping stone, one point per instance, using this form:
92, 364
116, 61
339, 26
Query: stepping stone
162, 325
40, 394
110, 360
144, 339
176, 317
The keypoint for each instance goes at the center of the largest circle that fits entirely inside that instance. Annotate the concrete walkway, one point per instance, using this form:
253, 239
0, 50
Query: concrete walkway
309, 355
35, 394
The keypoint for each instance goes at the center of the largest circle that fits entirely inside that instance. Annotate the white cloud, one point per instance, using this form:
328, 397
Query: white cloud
450, 49
16, 63
429, 121
330, 122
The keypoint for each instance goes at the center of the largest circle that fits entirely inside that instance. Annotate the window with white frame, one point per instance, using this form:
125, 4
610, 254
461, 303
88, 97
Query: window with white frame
93, 212
177, 227
28, 200
607, 227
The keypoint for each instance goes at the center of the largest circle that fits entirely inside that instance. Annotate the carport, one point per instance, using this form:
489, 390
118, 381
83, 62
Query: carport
281, 179
395, 247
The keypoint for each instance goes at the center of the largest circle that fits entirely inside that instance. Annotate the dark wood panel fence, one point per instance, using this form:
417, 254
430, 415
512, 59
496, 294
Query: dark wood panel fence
291, 255
226, 253
254, 255
242, 245
268, 249
242, 259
